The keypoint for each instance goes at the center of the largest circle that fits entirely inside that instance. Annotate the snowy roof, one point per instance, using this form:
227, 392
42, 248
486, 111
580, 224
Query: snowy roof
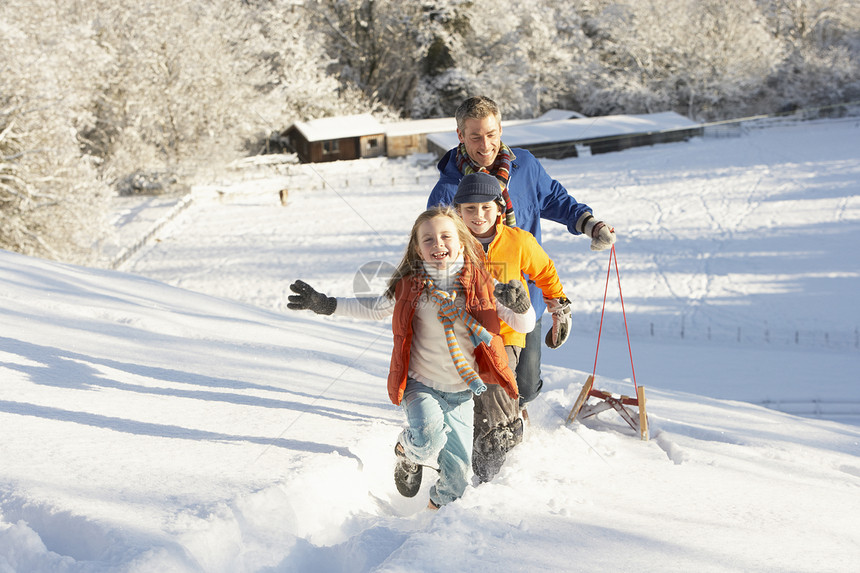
551, 115
327, 128
416, 126
535, 132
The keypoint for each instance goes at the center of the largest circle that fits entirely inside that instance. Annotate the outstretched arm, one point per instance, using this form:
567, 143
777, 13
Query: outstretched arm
368, 308
306, 298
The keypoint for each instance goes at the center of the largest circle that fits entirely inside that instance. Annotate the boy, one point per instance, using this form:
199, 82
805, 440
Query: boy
511, 254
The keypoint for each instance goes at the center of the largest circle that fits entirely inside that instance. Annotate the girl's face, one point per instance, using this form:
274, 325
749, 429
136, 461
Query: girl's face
480, 217
438, 242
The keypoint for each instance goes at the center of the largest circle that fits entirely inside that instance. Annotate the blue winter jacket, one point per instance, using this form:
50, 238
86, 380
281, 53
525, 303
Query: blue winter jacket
534, 193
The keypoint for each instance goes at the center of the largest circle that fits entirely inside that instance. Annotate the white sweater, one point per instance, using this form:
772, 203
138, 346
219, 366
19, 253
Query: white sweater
430, 362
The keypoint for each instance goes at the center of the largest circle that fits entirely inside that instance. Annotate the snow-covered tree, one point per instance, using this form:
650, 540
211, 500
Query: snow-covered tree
379, 44
51, 202
698, 57
526, 59
173, 89
288, 46
821, 42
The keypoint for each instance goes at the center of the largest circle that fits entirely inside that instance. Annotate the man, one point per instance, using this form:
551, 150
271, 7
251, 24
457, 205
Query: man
530, 194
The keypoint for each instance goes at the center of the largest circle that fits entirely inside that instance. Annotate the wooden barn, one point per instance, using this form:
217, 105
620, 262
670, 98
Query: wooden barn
337, 138
556, 139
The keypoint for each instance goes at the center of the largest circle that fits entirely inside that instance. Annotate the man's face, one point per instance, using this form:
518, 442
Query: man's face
482, 138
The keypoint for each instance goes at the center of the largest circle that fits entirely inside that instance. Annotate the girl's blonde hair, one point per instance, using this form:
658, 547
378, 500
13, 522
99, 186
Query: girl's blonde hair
472, 250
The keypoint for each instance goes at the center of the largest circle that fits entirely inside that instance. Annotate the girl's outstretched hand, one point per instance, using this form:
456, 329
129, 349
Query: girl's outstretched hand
306, 298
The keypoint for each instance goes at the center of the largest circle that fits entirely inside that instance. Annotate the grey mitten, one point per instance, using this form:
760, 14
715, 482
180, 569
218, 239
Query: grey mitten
306, 298
561, 321
602, 235
513, 295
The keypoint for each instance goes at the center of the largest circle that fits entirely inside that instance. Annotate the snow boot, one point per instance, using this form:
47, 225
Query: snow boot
489, 452
516, 436
407, 475
486, 462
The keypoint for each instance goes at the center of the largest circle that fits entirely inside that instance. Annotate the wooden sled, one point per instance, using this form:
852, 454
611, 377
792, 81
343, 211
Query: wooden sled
637, 420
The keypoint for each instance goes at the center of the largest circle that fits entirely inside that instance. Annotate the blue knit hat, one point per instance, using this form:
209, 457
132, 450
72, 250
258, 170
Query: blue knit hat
477, 188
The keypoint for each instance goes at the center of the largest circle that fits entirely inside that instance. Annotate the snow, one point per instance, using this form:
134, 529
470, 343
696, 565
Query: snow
173, 416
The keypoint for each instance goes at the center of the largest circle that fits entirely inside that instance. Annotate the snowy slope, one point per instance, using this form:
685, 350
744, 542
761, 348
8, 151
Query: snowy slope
151, 427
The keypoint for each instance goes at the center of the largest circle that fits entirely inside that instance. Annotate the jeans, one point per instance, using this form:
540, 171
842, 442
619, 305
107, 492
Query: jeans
528, 368
439, 429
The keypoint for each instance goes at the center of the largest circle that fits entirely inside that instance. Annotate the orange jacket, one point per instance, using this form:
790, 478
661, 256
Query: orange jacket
492, 360
513, 253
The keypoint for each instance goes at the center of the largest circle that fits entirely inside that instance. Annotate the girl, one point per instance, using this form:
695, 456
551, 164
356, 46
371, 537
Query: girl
446, 346
512, 254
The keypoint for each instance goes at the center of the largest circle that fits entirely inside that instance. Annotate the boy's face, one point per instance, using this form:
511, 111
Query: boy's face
482, 138
481, 218
438, 242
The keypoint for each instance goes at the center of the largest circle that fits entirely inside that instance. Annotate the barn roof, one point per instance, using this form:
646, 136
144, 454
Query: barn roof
328, 128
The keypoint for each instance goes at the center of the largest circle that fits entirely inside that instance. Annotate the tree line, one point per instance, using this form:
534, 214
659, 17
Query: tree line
97, 94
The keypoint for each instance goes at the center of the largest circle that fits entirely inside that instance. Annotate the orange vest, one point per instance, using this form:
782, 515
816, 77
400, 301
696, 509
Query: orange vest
492, 360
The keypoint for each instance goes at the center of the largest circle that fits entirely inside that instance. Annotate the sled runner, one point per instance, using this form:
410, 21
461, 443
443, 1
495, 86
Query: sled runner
637, 420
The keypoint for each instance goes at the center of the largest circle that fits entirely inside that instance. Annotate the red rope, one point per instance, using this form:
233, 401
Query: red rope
599, 330
624, 314
614, 257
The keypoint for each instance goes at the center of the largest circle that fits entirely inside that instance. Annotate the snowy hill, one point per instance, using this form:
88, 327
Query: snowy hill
151, 427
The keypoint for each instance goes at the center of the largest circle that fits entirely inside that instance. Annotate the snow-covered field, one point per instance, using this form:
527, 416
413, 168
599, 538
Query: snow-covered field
174, 416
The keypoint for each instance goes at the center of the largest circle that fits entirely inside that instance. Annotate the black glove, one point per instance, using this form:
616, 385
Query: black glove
307, 298
561, 321
513, 295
